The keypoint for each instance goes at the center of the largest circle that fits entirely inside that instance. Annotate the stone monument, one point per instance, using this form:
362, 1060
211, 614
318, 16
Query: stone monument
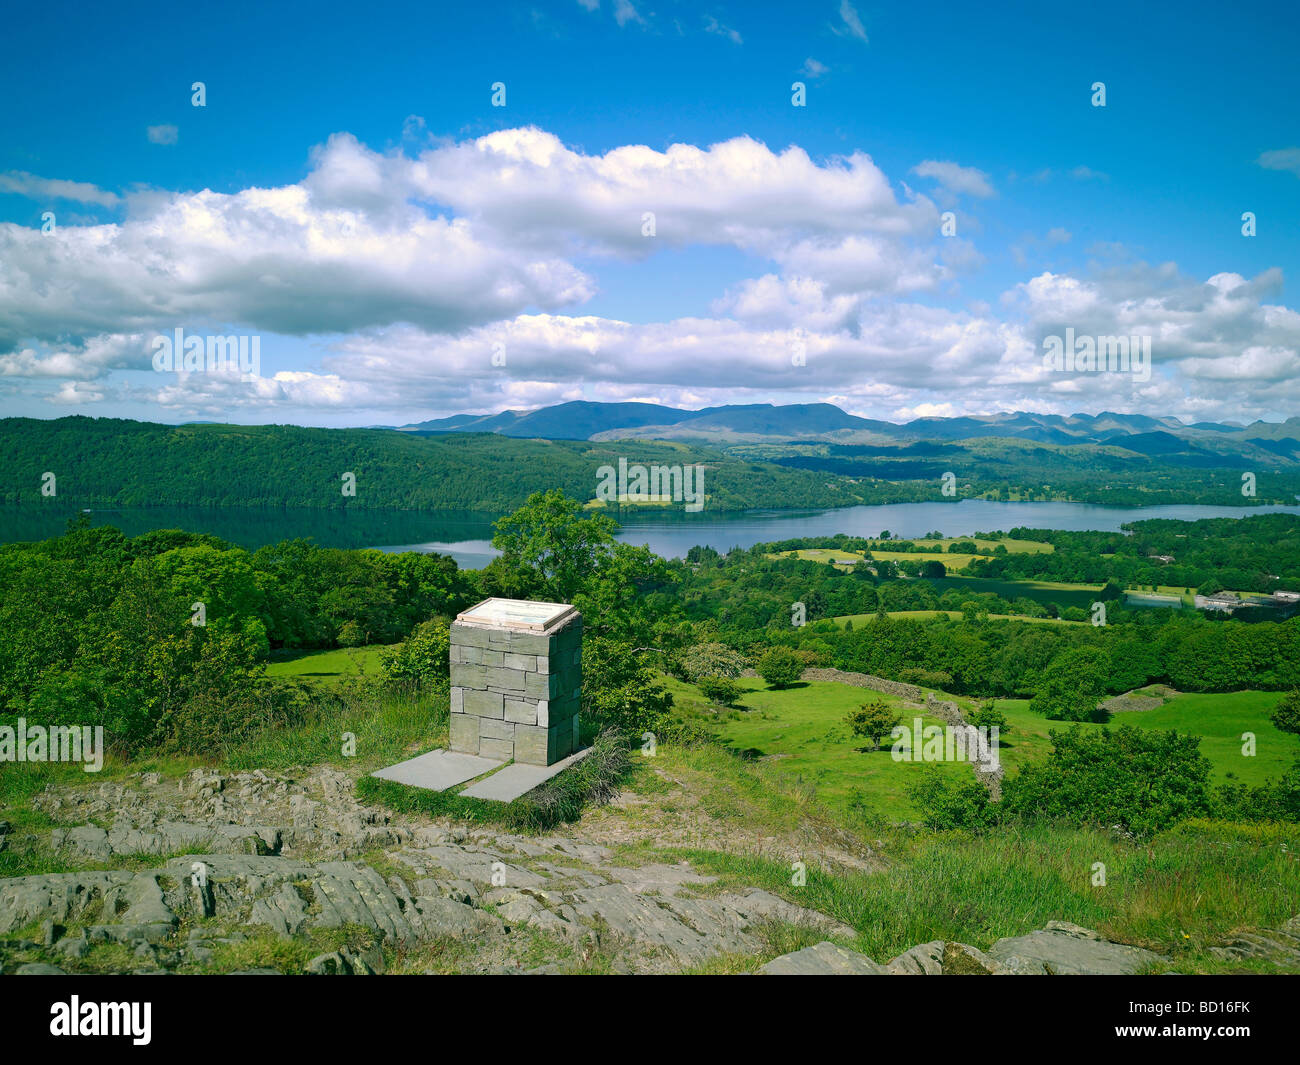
516, 681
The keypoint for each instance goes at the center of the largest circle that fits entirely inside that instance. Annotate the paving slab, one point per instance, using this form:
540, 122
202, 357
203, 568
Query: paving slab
438, 770
518, 778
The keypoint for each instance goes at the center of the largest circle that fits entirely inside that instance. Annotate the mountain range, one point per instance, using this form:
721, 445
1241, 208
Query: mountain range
802, 423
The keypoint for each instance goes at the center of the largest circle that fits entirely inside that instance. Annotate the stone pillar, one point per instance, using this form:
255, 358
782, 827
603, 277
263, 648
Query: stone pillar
516, 680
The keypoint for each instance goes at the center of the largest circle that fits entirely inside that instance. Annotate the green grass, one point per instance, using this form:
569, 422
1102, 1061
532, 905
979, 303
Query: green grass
801, 729
937, 550
925, 615
1178, 894
1220, 719
326, 666
1058, 592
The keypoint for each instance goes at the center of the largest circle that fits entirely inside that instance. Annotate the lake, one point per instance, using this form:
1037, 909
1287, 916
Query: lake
466, 535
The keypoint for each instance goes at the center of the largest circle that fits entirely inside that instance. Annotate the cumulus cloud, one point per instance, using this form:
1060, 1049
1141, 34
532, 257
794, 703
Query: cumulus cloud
414, 265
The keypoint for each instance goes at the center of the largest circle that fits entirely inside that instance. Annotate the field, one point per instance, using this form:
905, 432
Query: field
1219, 718
938, 551
326, 666
801, 729
1058, 592
860, 619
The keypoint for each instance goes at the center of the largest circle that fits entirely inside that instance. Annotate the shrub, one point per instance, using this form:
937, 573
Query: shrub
1140, 778
948, 804
988, 716
722, 690
422, 658
1286, 715
780, 667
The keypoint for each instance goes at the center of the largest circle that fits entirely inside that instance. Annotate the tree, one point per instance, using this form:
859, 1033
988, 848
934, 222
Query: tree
550, 548
1071, 686
873, 720
710, 660
780, 667
1286, 715
621, 689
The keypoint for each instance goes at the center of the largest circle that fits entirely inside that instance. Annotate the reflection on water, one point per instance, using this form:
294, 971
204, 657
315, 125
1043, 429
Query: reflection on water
466, 535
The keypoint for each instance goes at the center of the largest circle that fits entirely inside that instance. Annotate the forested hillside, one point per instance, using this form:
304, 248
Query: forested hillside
144, 464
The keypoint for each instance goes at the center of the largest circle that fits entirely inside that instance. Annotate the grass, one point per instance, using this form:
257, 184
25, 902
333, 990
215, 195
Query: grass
937, 550
1058, 592
326, 666
955, 615
1178, 894
1220, 719
802, 729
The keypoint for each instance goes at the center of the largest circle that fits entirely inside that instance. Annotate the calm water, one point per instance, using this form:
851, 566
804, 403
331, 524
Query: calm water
466, 535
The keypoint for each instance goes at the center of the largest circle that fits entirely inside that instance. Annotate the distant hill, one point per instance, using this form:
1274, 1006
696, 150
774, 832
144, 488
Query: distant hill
1200, 444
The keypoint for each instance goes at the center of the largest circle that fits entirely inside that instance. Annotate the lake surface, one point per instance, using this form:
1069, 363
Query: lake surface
466, 535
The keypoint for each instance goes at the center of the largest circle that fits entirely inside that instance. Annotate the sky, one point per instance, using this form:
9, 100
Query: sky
431, 209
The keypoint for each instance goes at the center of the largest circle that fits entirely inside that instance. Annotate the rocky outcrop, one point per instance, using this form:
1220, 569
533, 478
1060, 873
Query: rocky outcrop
1060, 949
1064, 949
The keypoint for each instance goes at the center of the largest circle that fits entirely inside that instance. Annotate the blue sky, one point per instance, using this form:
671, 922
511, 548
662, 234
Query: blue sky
350, 196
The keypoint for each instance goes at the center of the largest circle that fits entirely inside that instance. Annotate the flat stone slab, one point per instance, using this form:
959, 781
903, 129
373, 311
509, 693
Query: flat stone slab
518, 614
438, 770
518, 778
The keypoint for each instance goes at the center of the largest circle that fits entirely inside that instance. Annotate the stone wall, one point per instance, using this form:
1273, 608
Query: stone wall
515, 694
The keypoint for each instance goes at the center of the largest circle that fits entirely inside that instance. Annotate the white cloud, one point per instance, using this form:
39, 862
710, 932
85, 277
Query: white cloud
850, 24
956, 178
1281, 159
162, 134
38, 188
813, 69
712, 25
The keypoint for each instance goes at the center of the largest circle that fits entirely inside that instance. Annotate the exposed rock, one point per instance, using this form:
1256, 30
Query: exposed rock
923, 960
38, 969
1063, 949
825, 959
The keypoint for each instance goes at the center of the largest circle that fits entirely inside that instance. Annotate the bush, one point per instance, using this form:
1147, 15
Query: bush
621, 689
722, 690
1286, 715
422, 658
780, 667
988, 716
948, 804
1142, 779
927, 678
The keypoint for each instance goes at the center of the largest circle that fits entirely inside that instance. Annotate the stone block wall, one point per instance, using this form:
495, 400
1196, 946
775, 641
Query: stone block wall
515, 693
